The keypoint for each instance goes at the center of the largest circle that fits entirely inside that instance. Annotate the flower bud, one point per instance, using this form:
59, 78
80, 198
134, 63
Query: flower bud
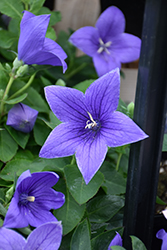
130, 109
22, 70
60, 82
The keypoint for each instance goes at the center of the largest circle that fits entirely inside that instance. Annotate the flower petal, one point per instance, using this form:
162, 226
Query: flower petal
47, 236
161, 234
23, 176
51, 53
104, 63
117, 241
14, 218
86, 39
66, 103
125, 47
120, 130
61, 142
103, 95
32, 35
110, 23
90, 155
10, 240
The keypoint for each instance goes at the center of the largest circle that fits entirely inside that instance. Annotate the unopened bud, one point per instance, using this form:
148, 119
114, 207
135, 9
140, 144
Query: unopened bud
22, 70
60, 82
17, 64
130, 109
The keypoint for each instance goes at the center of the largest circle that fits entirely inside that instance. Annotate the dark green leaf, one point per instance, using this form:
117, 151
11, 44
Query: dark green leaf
8, 147
103, 208
2, 210
17, 99
81, 237
164, 147
7, 39
41, 132
137, 244
19, 137
117, 248
12, 8
76, 184
82, 86
159, 201
35, 5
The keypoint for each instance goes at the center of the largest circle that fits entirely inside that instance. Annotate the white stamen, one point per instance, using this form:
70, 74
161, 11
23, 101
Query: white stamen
91, 124
30, 198
104, 46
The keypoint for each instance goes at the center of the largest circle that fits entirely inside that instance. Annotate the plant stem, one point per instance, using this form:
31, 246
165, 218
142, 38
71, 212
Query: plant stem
23, 88
82, 66
6, 93
118, 161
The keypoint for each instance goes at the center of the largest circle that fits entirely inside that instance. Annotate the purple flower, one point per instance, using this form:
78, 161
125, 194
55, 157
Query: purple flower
161, 234
34, 47
107, 43
90, 123
21, 117
33, 199
47, 236
117, 241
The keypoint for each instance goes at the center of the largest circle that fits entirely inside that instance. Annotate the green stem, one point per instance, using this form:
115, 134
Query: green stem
23, 88
6, 94
118, 161
82, 66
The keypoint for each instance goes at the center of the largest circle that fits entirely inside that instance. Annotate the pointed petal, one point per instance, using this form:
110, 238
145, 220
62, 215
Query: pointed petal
61, 142
32, 35
14, 217
104, 63
51, 53
23, 176
121, 130
86, 39
110, 23
36, 181
103, 95
66, 103
10, 240
117, 241
90, 155
47, 236
125, 47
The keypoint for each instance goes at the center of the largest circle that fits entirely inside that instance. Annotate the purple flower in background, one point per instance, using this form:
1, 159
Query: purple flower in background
21, 117
33, 199
47, 236
90, 123
161, 234
117, 241
34, 47
107, 43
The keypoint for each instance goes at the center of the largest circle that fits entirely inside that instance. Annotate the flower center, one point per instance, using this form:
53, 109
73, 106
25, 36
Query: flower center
92, 124
104, 46
24, 199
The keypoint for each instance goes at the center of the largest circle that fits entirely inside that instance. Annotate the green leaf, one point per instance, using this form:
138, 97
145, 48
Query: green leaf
41, 132
55, 17
81, 237
35, 5
76, 184
164, 147
12, 8
7, 39
137, 244
71, 212
2, 210
54, 121
159, 201
102, 241
51, 34
8, 147
19, 137
114, 182
17, 99
117, 248
103, 208
82, 86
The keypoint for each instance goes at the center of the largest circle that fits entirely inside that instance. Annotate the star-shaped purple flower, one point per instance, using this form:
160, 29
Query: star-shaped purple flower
33, 199
34, 47
21, 117
107, 43
161, 234
117, 241
90, 123
47, 236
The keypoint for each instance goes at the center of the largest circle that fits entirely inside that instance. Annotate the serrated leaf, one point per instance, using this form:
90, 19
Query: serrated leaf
137, 244
103, 208
81, 237
17, 99
20, 138
114, 182
41, 132
12, 8
8, 147
76, 184
71, 212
